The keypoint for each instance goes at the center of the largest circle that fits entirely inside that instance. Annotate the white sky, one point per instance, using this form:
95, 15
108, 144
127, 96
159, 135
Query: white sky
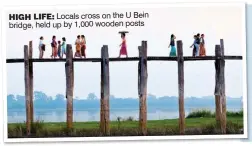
184, 22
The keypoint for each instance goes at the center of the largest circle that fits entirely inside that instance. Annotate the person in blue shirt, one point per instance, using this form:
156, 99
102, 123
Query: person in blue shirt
196, 44
63, 47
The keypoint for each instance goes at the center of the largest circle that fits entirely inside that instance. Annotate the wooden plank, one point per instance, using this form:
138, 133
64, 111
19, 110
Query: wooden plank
27, 91
181, 87
143, 89
105, 92
69, 85
31, 79
206, 58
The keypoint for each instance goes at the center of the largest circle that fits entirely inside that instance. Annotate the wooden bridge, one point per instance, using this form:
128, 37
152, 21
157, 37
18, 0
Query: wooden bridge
220, 97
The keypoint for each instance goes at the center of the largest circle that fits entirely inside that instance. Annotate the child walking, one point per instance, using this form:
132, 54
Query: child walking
193, 45
59, 49
63, 47
54, 47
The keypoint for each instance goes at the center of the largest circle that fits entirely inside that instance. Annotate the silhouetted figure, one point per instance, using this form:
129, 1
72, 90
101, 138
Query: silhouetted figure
59, 49
54, 47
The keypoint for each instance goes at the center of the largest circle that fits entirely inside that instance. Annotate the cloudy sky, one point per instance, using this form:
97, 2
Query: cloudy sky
215, 22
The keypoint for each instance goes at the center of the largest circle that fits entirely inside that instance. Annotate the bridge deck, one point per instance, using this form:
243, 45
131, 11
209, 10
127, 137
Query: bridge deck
149, 58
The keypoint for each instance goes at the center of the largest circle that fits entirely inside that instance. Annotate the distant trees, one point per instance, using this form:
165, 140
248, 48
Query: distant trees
42, 101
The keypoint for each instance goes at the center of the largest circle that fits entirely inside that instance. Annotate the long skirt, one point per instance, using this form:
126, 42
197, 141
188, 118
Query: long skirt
173, 51
55, 51
83, 49
202, 50
123, 50
197, 49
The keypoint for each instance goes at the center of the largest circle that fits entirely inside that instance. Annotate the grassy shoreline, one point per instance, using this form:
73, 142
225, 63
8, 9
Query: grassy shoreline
197, 123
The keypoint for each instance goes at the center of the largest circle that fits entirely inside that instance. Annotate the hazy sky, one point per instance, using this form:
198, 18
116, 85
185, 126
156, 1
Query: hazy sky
215, 22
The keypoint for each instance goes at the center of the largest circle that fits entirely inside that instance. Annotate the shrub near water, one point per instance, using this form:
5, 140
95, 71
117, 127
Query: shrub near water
200, 113
207, 113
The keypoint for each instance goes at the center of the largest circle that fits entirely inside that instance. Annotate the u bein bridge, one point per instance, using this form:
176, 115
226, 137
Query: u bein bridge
219, 92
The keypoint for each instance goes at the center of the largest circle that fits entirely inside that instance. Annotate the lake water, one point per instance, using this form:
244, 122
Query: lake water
94, 115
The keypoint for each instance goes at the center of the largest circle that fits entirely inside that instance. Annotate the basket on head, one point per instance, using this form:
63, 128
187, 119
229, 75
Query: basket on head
123, 32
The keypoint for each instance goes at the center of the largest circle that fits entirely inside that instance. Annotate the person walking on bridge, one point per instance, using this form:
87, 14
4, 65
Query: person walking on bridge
202, 46
83, 46
41, 47
78, 47
63, 47
193, 45
123, 50
173, 51
196, 44
54, 47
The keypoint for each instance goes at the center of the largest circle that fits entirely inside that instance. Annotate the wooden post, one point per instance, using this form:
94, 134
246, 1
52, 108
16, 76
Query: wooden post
223, 91
27, 91
220, 99
181, 87
217, 86
143, 88
69, 85
139, 72
31, 79
222, 46
105, 92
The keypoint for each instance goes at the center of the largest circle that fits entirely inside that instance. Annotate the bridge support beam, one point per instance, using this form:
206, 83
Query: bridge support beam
105, 92
181, 87
69, 70
27, 90
31, 79
142, 87
220, 96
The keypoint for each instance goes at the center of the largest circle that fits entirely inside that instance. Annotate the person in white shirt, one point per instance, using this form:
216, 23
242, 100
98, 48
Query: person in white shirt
41, 47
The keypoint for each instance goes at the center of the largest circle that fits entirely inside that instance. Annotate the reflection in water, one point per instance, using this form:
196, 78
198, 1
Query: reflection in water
94, 115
